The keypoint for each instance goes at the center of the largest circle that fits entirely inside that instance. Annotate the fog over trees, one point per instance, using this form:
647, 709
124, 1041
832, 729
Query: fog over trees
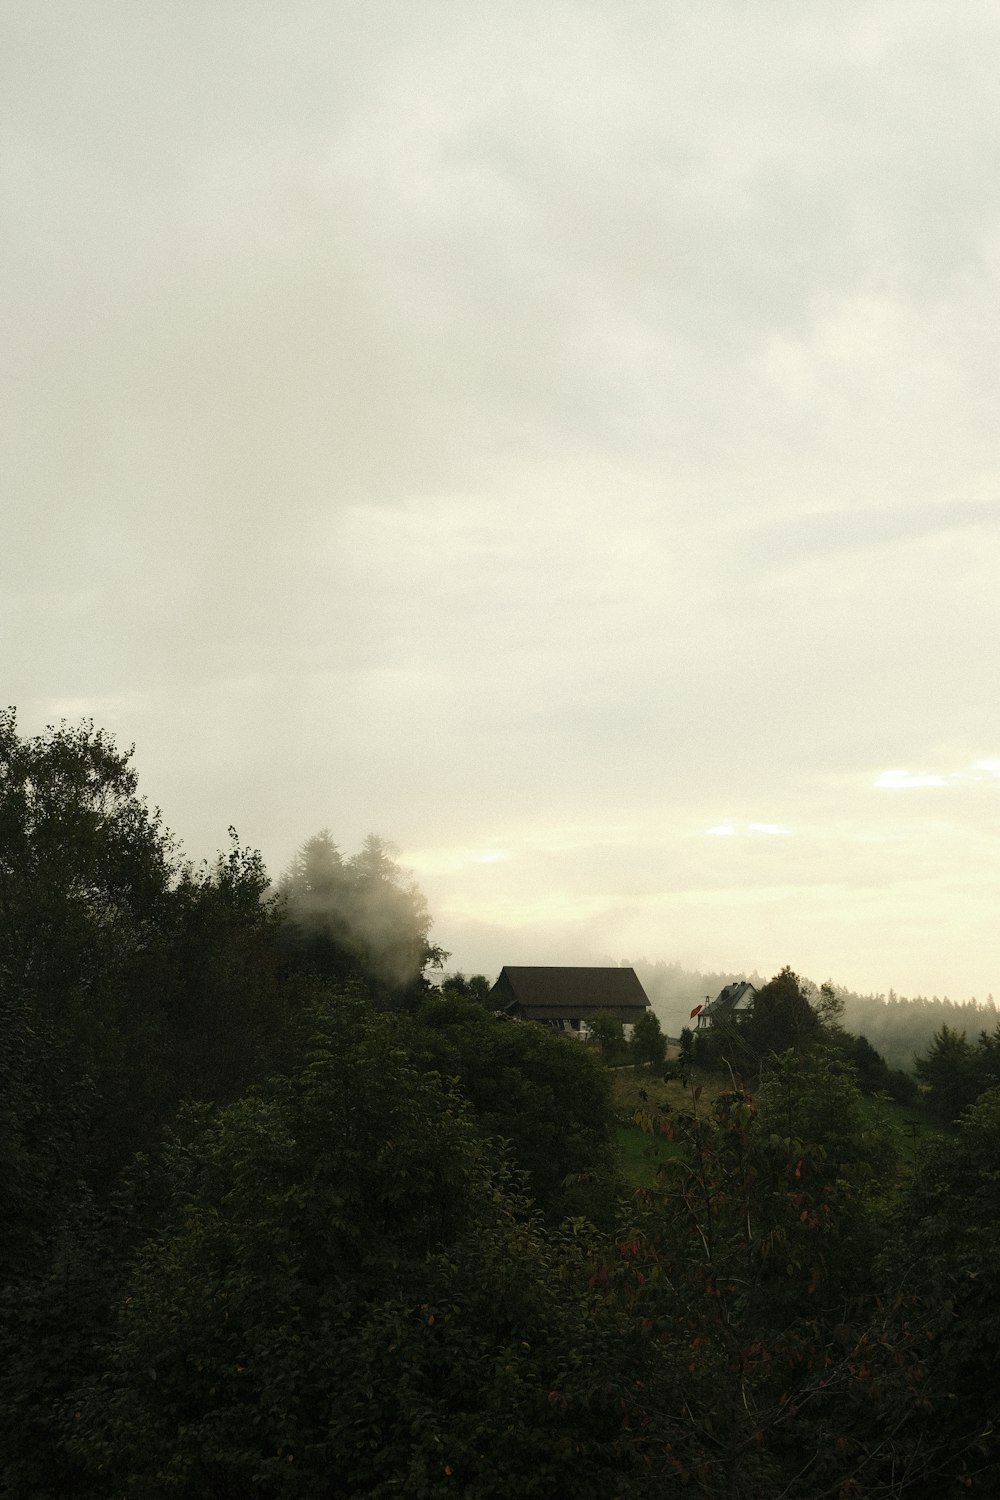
899, 1027
282, 1218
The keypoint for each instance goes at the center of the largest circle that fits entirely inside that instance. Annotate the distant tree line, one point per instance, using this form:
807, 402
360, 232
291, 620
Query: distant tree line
897, 1027
788, 1012
902, 1029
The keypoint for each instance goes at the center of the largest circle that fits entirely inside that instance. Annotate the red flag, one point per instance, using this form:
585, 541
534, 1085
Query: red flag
694, 1012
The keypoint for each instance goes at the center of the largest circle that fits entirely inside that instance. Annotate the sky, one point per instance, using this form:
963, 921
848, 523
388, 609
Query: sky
560, 438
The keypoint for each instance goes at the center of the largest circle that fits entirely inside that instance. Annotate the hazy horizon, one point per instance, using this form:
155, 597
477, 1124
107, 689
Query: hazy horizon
560, 439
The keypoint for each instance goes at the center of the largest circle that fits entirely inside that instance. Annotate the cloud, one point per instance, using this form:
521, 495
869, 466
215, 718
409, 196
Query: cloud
459, 861
905, 779
522, 429
979, 772
730, 830
866, 528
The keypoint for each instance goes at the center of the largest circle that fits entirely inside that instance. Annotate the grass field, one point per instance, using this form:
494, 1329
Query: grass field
641, 1154
629, 1084
914, 1126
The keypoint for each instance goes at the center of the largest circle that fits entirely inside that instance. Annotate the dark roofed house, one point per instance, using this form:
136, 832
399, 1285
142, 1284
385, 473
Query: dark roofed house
736, 996
565, 999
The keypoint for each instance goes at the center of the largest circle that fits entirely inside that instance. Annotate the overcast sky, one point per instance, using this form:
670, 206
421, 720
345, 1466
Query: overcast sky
562, 438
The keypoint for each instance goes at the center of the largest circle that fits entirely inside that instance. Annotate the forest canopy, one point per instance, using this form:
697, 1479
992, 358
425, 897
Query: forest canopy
281, 1218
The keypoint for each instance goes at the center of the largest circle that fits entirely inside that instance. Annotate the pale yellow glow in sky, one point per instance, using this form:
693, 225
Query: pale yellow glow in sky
544, 435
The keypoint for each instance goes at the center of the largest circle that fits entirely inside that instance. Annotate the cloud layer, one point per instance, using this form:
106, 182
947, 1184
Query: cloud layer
554, 432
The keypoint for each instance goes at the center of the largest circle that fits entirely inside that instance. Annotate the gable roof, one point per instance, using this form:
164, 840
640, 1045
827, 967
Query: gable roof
549, 993
735, 996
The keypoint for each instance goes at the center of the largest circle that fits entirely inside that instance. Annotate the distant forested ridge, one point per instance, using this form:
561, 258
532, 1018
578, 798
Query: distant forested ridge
902, 1028
898, 1027
280, 1219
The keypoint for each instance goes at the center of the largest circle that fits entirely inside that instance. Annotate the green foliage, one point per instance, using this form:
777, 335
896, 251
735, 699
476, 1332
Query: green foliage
873, 1072
220, 1010
747, 1264
648, 1045
54, 1318
815, 1101
45, 1111
782, 1017
365, 1260
943, 1261
85, 876
85, 867
475, 987
955, 1072
543, 1094
142, 980
359, 918
947, 1074
902, 1028
607, 1034
347, 1298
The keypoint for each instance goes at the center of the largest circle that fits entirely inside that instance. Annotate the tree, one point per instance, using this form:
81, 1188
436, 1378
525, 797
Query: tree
475, 987
942, 1262
608, 1034
870, 1066
223, 1013
948, 1073
542, 1094
45, 1115
86, 877
127, 981
781, 1017
390, 921
346, 1297
987, 1059
359, 918
748, 1264
649, 1045
85, 866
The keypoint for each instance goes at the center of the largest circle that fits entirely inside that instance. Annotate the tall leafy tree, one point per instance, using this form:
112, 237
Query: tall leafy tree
85, 866
345, 1297
470, 987
747, 1265
608, 1034
649, 1045
942, 1261
86, 874
358, 918
149, 980
390, 920
782, 1017
542, 1094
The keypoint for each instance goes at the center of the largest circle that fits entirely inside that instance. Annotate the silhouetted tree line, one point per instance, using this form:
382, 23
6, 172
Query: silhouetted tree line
902, 1029
955, 1072
280, 1220
786, 1012
899, 1028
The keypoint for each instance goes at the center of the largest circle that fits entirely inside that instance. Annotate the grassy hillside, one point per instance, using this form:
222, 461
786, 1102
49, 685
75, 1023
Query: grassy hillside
642, 1153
